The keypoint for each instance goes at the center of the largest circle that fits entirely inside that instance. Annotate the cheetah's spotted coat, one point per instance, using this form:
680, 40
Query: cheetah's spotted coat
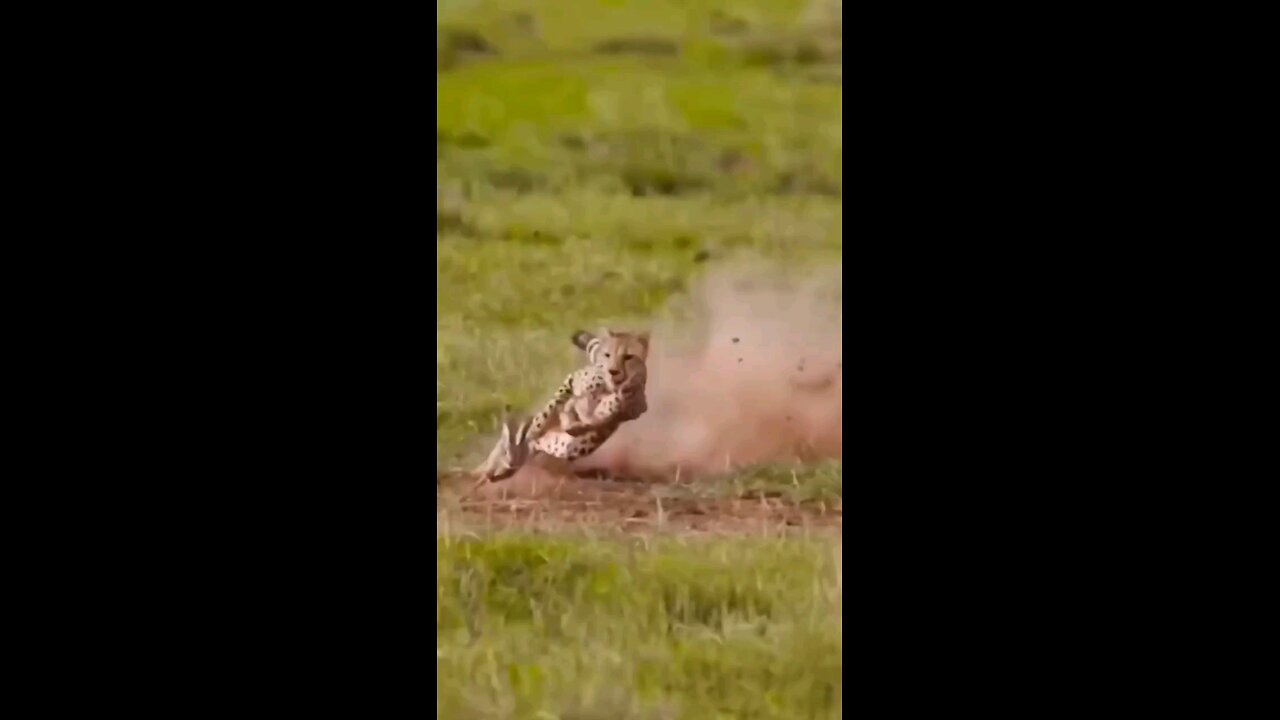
586, 409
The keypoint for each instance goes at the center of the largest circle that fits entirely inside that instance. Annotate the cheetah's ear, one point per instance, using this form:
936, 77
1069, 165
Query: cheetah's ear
644, 341
581, 338
607, 332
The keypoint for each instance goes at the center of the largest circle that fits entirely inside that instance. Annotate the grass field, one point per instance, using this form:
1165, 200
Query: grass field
593, 160
576, 628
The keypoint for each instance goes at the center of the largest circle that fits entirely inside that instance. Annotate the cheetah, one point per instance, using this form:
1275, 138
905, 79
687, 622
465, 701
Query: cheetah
589, 419
619, 394
586, 409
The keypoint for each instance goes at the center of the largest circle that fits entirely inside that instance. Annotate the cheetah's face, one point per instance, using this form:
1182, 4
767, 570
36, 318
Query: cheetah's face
619, 355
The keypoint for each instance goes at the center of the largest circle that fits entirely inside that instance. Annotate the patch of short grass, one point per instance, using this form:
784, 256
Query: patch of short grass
530, 626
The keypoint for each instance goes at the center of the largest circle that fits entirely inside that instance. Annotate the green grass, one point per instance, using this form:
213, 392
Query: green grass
592, 160
558, 627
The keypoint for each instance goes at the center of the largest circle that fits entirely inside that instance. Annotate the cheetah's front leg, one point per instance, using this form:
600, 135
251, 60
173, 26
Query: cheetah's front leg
607, 414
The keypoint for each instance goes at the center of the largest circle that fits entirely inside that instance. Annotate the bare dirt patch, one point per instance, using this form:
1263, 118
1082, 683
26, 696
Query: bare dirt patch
541, 499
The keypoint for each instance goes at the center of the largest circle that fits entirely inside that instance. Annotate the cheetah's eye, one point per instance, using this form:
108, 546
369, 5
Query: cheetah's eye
606, 354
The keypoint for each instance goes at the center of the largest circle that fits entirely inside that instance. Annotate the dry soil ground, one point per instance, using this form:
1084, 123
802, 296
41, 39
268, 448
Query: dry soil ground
536, 498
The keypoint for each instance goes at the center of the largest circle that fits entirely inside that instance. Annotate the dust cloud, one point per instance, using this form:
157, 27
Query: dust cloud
748, 368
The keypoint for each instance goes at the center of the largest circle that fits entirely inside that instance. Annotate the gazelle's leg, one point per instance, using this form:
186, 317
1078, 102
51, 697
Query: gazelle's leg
498, 453
507, 455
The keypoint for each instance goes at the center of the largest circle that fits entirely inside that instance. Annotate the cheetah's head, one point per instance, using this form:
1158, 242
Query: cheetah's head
621, 354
